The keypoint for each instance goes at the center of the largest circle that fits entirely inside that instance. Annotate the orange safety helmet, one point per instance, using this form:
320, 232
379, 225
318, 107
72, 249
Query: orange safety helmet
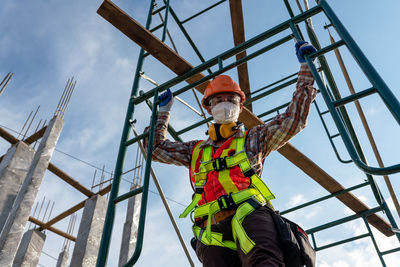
222, 84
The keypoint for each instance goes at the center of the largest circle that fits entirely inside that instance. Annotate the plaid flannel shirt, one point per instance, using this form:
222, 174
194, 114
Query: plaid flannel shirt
261, 139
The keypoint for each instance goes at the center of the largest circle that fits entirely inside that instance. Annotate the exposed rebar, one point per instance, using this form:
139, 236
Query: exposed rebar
5, 81
51, 211
44, 123
65, 98
23, 127
45, 212
62, 98
41, 206
29, 126
33, 215
68, 99
68, 232
37, 126
94, 178
72, 229
102, 178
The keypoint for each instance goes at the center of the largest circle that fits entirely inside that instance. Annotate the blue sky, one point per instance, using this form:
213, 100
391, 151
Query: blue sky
46, 42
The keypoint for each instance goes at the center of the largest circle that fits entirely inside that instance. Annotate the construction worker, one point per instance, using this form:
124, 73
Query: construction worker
233, 224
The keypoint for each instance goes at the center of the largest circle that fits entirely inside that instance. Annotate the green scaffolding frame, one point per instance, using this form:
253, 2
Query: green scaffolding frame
333, 100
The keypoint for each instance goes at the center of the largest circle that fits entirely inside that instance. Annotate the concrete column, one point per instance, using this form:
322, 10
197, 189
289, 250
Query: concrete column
87, 242
13, 170
129, 233
29, 250
11, 234
63, 258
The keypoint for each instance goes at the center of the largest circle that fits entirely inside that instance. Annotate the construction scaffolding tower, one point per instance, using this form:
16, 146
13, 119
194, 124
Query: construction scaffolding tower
237, 57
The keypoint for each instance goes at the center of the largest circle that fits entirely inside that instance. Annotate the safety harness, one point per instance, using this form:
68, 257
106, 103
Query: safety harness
246, 201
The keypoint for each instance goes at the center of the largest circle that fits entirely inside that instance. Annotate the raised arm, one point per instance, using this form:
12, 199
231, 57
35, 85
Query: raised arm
164, 150
271, 136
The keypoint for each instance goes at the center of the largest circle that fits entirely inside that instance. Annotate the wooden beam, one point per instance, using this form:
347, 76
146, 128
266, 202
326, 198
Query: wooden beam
332, 186
69, 180
238, 38
36, 136
168, 57
8, 137
149, 42
54, 169
72, 210
54, 230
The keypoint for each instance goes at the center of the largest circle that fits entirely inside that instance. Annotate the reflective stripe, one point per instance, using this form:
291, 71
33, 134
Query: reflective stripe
195, 200
216, 239
207, 153
211, 208
199, 180
226, 181
258, 191
262, 187
236, 159
195, 156
246, 244
237, 197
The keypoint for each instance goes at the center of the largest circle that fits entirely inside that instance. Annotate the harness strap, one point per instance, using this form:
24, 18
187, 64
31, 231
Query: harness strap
216, 239
246, 200
238, 197
192, 205
235, 199
246, 244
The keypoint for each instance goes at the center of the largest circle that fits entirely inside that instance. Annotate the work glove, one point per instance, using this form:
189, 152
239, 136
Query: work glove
303, 48
165, 101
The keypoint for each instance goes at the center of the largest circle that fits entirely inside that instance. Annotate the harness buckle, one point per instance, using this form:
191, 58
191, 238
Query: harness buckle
219, 164
225, 202
250, 172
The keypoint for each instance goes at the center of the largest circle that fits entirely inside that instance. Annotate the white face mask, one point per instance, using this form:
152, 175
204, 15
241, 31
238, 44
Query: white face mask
225, 112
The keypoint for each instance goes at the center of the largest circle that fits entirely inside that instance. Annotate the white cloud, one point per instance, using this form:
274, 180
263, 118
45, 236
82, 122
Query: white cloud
296, 200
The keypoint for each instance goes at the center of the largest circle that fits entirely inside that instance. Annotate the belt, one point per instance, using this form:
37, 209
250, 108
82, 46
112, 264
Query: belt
218, 217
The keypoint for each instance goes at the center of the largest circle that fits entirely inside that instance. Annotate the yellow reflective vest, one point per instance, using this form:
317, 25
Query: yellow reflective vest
224, 179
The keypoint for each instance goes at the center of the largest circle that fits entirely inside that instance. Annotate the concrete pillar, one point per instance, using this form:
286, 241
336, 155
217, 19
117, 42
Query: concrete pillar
11, 234
129, 233
87, 242
13, 170
29, 250
63, 258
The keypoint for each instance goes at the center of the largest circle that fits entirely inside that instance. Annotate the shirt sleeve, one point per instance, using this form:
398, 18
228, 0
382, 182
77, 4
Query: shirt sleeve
263, 139
166, 151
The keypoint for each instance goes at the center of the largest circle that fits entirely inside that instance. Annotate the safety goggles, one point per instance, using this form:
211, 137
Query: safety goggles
224, 97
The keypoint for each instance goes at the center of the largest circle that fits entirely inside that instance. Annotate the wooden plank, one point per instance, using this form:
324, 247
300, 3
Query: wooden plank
36, 136
72, 210
69, 180
137, 33
332, 186
154, 46
238, 38
54, 230
8, 137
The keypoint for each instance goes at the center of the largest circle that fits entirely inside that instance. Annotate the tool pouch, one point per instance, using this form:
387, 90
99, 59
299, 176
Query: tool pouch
296, 248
